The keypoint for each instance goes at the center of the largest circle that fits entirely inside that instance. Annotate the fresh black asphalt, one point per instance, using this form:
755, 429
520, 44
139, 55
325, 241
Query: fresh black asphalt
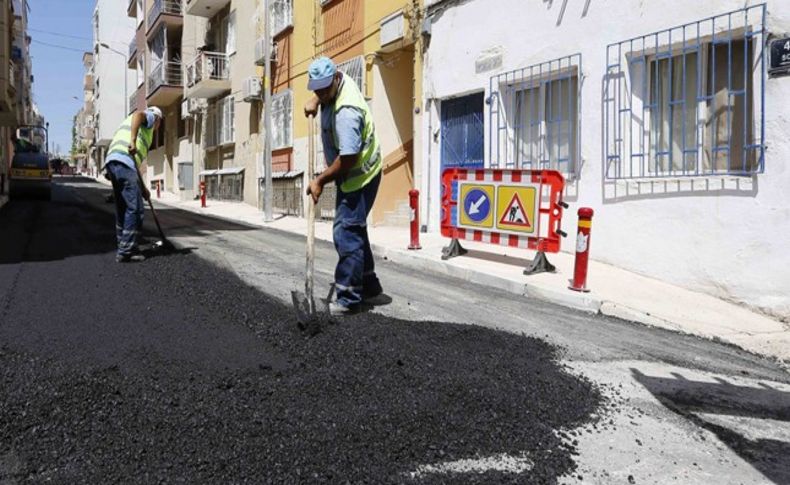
175, 371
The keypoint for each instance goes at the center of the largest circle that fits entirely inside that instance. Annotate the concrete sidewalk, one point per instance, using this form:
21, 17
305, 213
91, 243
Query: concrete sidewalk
614, 292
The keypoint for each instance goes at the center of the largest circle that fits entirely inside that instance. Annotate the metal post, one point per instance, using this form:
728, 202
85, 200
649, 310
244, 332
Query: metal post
268, 199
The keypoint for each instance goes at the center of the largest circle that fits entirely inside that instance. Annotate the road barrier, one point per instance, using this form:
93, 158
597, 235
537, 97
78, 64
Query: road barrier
582, 250
414, 204
515, 208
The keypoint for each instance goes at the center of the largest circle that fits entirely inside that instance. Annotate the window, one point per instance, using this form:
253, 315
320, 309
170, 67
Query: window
140, 69
535, 117
282, 120
355, 69
281, 16
220, 127
687, 101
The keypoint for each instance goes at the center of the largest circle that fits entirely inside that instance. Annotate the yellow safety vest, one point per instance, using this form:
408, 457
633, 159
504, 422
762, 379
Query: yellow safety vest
123, 138
369, 161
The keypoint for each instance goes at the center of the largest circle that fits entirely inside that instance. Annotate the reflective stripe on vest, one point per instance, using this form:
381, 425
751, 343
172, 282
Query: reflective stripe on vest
368, 163
123, 138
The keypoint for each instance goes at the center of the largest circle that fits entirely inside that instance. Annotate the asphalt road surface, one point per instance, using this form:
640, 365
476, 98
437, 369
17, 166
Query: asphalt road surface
190, 368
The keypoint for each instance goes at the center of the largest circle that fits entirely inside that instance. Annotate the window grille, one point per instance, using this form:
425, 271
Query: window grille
534, 117
355, 69
688, 101
282, 119
281, 15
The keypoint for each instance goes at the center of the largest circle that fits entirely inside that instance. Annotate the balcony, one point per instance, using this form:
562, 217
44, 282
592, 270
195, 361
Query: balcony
164, 12
208, 75
88, 83
165, 84
205, 8
88, 106
132, 53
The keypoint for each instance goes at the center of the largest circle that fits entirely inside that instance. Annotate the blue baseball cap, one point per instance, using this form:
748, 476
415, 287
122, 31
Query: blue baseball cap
321, 73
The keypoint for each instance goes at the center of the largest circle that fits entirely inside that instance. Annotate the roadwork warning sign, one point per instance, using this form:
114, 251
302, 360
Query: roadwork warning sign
516, 208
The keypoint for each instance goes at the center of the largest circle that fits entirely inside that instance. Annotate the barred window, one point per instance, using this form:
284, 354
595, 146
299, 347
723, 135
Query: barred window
355, 69
282, 119
687, 101
534, 117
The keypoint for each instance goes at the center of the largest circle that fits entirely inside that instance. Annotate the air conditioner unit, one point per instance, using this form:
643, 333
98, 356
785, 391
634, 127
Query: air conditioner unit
260, 45
251, 90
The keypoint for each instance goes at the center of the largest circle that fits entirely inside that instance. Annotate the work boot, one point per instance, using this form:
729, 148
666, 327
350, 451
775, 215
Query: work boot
377, 299
129, 258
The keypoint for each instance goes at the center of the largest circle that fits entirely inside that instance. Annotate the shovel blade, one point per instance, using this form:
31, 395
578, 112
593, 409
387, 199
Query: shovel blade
302, 308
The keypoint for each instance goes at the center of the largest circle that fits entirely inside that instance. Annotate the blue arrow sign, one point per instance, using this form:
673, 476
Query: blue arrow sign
477, 205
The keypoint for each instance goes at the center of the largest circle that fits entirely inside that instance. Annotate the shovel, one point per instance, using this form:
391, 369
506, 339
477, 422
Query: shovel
304, 304
163, 243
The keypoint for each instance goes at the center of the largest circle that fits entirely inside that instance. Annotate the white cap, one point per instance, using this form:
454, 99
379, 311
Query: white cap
155, 111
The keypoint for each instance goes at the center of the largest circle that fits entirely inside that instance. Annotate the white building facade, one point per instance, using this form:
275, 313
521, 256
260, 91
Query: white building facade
111, 26
663, 116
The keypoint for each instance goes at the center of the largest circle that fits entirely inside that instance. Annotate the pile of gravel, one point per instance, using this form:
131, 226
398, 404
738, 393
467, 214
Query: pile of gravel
176, 371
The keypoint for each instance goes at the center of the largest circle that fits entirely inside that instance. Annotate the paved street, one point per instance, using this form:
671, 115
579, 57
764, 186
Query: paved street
189, 368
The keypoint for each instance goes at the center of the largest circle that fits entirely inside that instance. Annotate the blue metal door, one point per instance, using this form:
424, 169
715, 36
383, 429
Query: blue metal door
463, 140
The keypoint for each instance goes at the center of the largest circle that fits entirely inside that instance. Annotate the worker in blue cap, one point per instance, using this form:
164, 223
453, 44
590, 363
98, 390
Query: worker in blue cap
353, 158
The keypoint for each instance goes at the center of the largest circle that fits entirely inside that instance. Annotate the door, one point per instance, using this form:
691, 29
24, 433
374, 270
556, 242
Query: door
462, 132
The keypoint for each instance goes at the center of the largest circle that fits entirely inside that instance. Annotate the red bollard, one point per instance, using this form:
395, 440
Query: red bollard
582, 250
158, 189
414, 203
202, 194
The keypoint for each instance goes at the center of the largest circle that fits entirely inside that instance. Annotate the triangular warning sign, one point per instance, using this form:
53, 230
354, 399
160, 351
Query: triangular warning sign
515, 215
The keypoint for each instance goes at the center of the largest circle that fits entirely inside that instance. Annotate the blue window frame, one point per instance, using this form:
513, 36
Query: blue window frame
688, 101
534, 117
463, 135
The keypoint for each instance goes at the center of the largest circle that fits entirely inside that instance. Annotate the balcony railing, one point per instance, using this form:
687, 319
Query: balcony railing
132, 47
133, 99
169, 7
208, 66
165, 74
88, 82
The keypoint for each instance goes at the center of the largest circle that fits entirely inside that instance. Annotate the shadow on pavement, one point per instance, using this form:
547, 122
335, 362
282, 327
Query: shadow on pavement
721, 407
78, 222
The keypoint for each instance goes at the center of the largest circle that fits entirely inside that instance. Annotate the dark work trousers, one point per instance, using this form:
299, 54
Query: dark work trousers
355, 274
129, 209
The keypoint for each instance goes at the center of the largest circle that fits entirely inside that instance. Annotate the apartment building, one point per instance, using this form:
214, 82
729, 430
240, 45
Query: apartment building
7, 91
111, 77
16, 80
667, 118
155, 53
219, 65
23, 71
84, 132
